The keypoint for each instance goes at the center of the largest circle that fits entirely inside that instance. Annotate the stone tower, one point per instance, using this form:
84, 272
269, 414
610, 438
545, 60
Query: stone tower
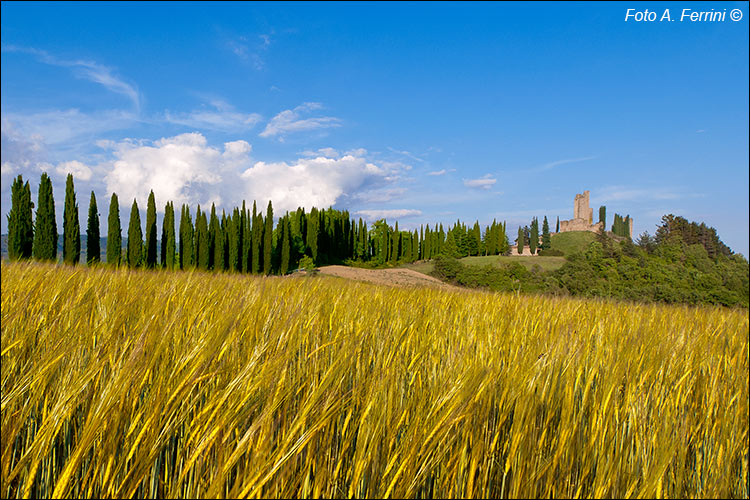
581, 208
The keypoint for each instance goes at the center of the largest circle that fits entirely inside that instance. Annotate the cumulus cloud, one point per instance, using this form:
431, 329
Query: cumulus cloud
372, 215
186, 169
78, 169
484, 182
310, 182
290, 120
183, 169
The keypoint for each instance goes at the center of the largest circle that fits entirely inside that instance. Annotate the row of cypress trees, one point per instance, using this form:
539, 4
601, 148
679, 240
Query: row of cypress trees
529, 236
239, 241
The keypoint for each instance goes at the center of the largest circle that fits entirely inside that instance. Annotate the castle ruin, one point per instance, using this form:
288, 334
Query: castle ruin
582, 217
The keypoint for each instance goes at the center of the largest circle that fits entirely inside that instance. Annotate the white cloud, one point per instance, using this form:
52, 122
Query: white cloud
65, 127
183, 169
327, 152
310, 182
484, 182
186, 169
372, 215
289, 121
220, 116
438, 172
88, 70
18, 152
78, 169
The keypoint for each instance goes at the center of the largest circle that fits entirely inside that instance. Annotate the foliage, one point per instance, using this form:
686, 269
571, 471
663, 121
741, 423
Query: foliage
142, 384
150, 246
135, 237
71, 226
20, 223
45, 227
93, 246
114, 235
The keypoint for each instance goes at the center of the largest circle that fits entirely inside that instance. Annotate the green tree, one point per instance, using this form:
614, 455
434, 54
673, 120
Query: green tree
168, 237
114, 232
93, 247
557, 227
603, 215
285, 246
219, 246
151, 231
234, 240
546, 239
268, 239
45, 230
187, 242
201, 240
257, 236
519, 241
71, 226
20, 224
135, 237
534, 235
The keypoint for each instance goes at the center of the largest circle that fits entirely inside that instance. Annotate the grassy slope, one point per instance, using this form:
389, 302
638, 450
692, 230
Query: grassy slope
199, 385
565, 242
572, 242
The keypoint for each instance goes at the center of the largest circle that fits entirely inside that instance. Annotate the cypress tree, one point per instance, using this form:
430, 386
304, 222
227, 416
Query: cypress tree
233, 238
255, 256
187, 243
135, 237
546, 239
45, 231
201, 240
114, 232
93, 247
519, 244
285, 244
213, 230
219, 238
534, 235
151, 231
245, 239
168, 237
225, 240
20, 223
603, 215
268, 239
557, 228
71, 226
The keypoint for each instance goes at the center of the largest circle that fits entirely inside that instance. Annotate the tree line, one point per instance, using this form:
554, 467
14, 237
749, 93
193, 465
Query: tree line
242, 240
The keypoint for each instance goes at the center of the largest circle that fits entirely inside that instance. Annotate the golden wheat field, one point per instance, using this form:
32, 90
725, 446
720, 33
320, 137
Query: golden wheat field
154, 384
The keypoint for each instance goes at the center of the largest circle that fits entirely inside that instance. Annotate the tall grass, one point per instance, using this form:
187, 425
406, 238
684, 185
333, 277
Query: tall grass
130, 383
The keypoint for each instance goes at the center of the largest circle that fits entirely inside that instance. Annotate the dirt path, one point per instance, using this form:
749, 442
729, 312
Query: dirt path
391, 277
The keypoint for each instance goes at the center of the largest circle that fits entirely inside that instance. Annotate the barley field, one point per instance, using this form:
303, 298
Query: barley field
154, 384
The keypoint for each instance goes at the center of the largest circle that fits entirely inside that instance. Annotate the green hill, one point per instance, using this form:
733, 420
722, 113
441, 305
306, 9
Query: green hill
572, 242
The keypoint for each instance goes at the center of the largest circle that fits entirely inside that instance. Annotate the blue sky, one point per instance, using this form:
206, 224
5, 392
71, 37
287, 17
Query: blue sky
421, 112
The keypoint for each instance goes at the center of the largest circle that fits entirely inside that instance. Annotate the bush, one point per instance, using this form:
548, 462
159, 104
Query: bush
306, 263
